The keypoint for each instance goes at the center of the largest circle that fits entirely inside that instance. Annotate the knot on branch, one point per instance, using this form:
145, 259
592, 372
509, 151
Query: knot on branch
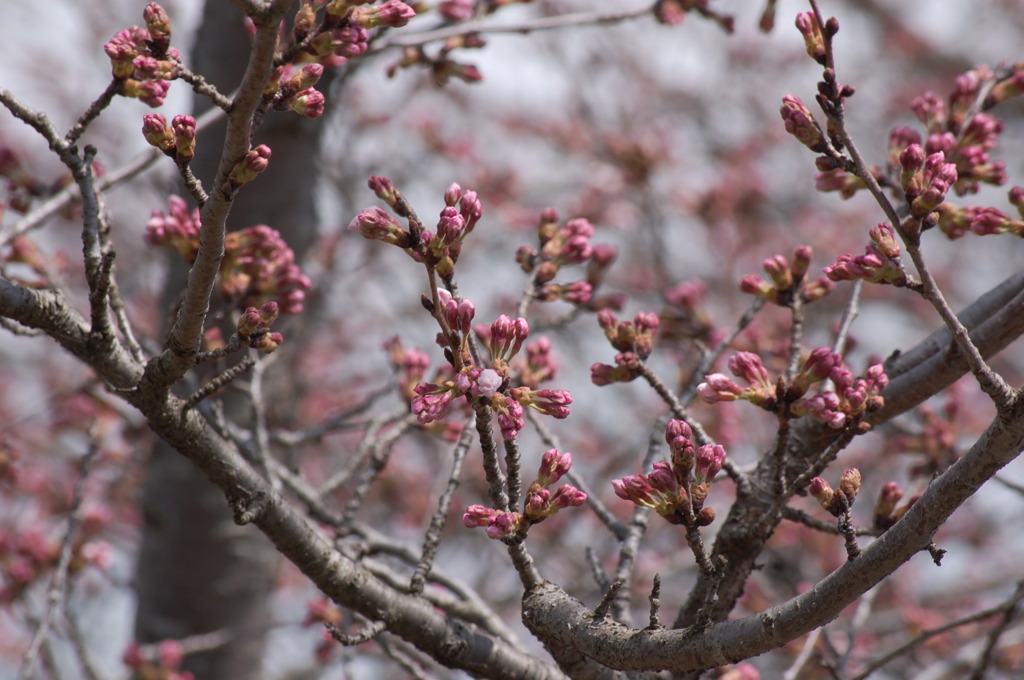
248, 509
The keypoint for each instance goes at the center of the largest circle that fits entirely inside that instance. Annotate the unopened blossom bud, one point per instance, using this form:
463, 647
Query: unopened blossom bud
553, 466
307, 76
450, 226
705, 517
781, 274
801, 261
507, 337
267, 342
255, 161
568, 496
152, 92
635, 489
755, 285
249, 321
930, 110
269, 312
377, 225
504, 524
392, 13
884, 237
849, 484
885, 508
384, 188
677, 428
939, 177
184, 128
807, 24
452, 195
912, 161
554, 403
159, 27
478, 516
822, 492
538, 504
663, 479
817, 367
800, 123
157, 132
710, 458
547, 226
748, 366
308, 102
471, 209
718, 387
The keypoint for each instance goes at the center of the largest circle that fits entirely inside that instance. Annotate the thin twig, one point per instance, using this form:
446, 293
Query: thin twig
606, 516
432, 539
55, 592
1008, 606
475, 26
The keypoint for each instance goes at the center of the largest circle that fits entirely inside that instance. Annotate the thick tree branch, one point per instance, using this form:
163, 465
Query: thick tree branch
561, 620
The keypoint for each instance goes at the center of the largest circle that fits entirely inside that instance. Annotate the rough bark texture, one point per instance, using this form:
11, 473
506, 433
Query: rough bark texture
198, 571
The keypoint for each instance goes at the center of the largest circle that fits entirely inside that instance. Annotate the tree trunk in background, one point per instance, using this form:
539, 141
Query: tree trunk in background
198, 572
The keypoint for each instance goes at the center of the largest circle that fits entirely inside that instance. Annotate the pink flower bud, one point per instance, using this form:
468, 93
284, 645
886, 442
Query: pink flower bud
159, 27
800, 123
184, 128
157, 133
478, 516
553, 467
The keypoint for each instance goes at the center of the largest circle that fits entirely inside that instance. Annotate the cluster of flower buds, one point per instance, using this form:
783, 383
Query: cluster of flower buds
956, 221
258, 265
677, 490
457, 220
966, 139
344, 31
442, 67
253, 163
411, 365
925, 178
850, 400
934, 440
880, 262
288, 91
540, 502
539, 365
888, 509
788, 280
634, 340
161, 661
254, 327
142, 60
504, 339
177, 140
836, 501
560, 246
178, 229
439, 250
28, 556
